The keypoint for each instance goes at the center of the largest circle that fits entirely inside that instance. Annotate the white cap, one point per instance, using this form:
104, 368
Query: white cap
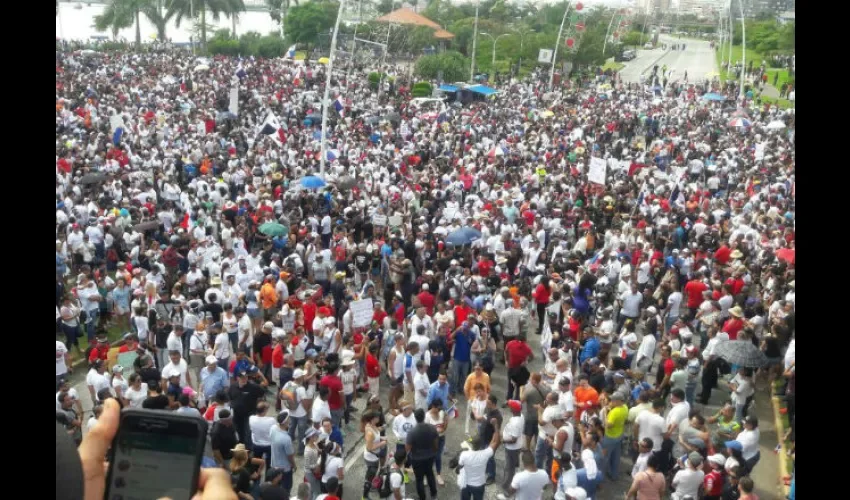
455, 262
298, 373
718, 459
211, 360
269, 325
329, 320
425, 286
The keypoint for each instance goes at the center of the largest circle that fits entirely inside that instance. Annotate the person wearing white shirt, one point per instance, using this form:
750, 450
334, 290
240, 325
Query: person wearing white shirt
473, 473
530, 483
687, 481
651, 425
644, 452
645, 353
749, 440
96, 380
421, 385
742, 390
512, 436
261, 425
137, 391
176, 367
677, 414
63, 361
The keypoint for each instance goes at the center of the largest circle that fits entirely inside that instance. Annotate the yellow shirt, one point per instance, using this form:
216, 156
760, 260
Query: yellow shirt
616, 421
473, 379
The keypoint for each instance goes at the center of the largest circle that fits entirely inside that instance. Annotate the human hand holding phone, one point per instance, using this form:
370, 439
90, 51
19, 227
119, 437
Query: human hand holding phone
213, 484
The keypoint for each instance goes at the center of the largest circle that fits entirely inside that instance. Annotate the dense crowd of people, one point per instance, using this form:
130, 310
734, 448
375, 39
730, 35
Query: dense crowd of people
618, 233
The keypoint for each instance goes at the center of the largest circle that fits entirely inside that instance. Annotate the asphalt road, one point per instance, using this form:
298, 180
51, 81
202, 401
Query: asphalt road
697, 59
765, 476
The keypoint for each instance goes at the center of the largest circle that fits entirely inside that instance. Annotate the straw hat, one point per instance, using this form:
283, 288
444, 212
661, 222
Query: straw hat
736, 311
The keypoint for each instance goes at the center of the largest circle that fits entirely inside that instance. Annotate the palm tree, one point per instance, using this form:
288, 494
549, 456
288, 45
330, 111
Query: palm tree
278, 10
115, 17
121, 14
181, 9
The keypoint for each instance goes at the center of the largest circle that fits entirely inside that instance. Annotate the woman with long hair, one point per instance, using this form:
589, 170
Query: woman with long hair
312, 462
332, 465
374, 443
648, 484
244, 470
437, 417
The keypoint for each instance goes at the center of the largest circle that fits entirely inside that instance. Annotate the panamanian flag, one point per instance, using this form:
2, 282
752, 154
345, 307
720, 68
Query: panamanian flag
240, 72
290, 53
339, 105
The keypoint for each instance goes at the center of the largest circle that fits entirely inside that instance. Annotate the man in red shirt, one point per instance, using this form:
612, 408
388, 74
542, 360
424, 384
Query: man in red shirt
335, 400
485, 266
379, 314
736, 281
665, 370
101, 350
131, 344
517, 353
426, 298
462, 311
721, 256
694, 290
735, 323
373, 369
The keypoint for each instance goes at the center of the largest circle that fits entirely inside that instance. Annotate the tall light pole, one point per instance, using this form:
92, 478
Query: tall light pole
608, 31
494, 46
743, 48
326, 100
474, 43
557, 43
521, 43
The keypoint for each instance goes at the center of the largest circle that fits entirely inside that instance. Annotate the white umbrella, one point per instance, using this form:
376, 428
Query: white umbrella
776, 125
201, 67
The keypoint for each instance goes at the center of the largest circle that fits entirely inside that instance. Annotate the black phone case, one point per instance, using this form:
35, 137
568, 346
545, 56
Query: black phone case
166, 415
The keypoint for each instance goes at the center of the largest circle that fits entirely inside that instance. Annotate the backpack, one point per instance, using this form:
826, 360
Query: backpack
386, 489
289, 396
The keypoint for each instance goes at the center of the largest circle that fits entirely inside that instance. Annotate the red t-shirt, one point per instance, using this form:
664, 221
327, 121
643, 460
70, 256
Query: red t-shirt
732, 327
668, 365
277, 356
541, 294
694, 290
309, 314
398, 314
97, 352
737, 285
518, 352
373, 368
427, 300
721, 256
484, 268
334, 384
378, 316
461, 313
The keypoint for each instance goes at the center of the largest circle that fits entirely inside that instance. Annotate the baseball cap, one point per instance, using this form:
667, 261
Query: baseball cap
718, 459
515, 405
695, 458
735, 445
298, 373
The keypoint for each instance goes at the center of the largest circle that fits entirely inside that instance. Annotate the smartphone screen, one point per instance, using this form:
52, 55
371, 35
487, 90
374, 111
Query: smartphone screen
154, 455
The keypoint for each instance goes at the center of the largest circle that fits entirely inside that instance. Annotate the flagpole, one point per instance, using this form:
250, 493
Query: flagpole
326, 101
557, 42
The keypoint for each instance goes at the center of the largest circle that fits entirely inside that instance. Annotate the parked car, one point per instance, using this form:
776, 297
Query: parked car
627, 55
648, 46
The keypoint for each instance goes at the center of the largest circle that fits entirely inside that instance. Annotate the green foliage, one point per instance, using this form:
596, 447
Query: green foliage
453, 65
422, 89
375, 79
767, 36
249, 44
305, 22
634, 39
183, 9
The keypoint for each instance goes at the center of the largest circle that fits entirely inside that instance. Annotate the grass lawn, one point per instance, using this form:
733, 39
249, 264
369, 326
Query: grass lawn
613, 65
753, 56
781, 103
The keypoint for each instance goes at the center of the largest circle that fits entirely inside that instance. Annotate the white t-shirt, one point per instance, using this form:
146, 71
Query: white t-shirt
652, 426
750, 442
513, 429
136, 398
302, 394
674, 301
687, 482
98, 381
320, 410
141, 323
333, 465
548, 430
174, 343
222, 346
260, 429
530, 485
180, 368
675, 416
421, 382
71, 392
61, 350
475, 466
566, 402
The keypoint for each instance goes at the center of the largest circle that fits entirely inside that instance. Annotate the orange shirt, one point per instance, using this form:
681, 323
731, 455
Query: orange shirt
584, 396
268, 295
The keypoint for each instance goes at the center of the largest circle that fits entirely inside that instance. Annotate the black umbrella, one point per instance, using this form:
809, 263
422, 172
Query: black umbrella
346, 182
392, 117
92, 178
146, 226
741, 353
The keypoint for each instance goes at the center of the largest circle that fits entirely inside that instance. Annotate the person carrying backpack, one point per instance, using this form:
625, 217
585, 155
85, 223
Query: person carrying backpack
392, 479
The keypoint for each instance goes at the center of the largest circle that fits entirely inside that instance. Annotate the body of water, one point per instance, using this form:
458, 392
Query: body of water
78, 24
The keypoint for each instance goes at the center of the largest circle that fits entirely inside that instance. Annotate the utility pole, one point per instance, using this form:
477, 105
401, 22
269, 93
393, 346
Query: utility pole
557, 43
326, 101
474, 43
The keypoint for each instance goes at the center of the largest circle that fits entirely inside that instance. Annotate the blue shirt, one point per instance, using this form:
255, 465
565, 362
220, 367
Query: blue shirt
463, 344
243, 365
281, 449
590, 350
437, 392
213, 382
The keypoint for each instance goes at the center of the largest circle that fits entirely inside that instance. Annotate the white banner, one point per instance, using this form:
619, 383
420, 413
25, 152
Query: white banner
379, 220
362, 310
116, 122
760, 152
597, 170
545, 56
234, 101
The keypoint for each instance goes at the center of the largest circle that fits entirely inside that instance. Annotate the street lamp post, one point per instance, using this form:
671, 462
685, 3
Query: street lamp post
521, 43
474, 43
743, 48
326, 101
558, 42
493, 62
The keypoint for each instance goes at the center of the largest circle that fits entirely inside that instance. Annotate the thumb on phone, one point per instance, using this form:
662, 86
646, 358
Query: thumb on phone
214, 484
94, 447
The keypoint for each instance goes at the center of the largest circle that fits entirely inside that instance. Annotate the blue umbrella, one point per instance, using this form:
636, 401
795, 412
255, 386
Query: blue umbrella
463, 236
313, 182
712, 96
